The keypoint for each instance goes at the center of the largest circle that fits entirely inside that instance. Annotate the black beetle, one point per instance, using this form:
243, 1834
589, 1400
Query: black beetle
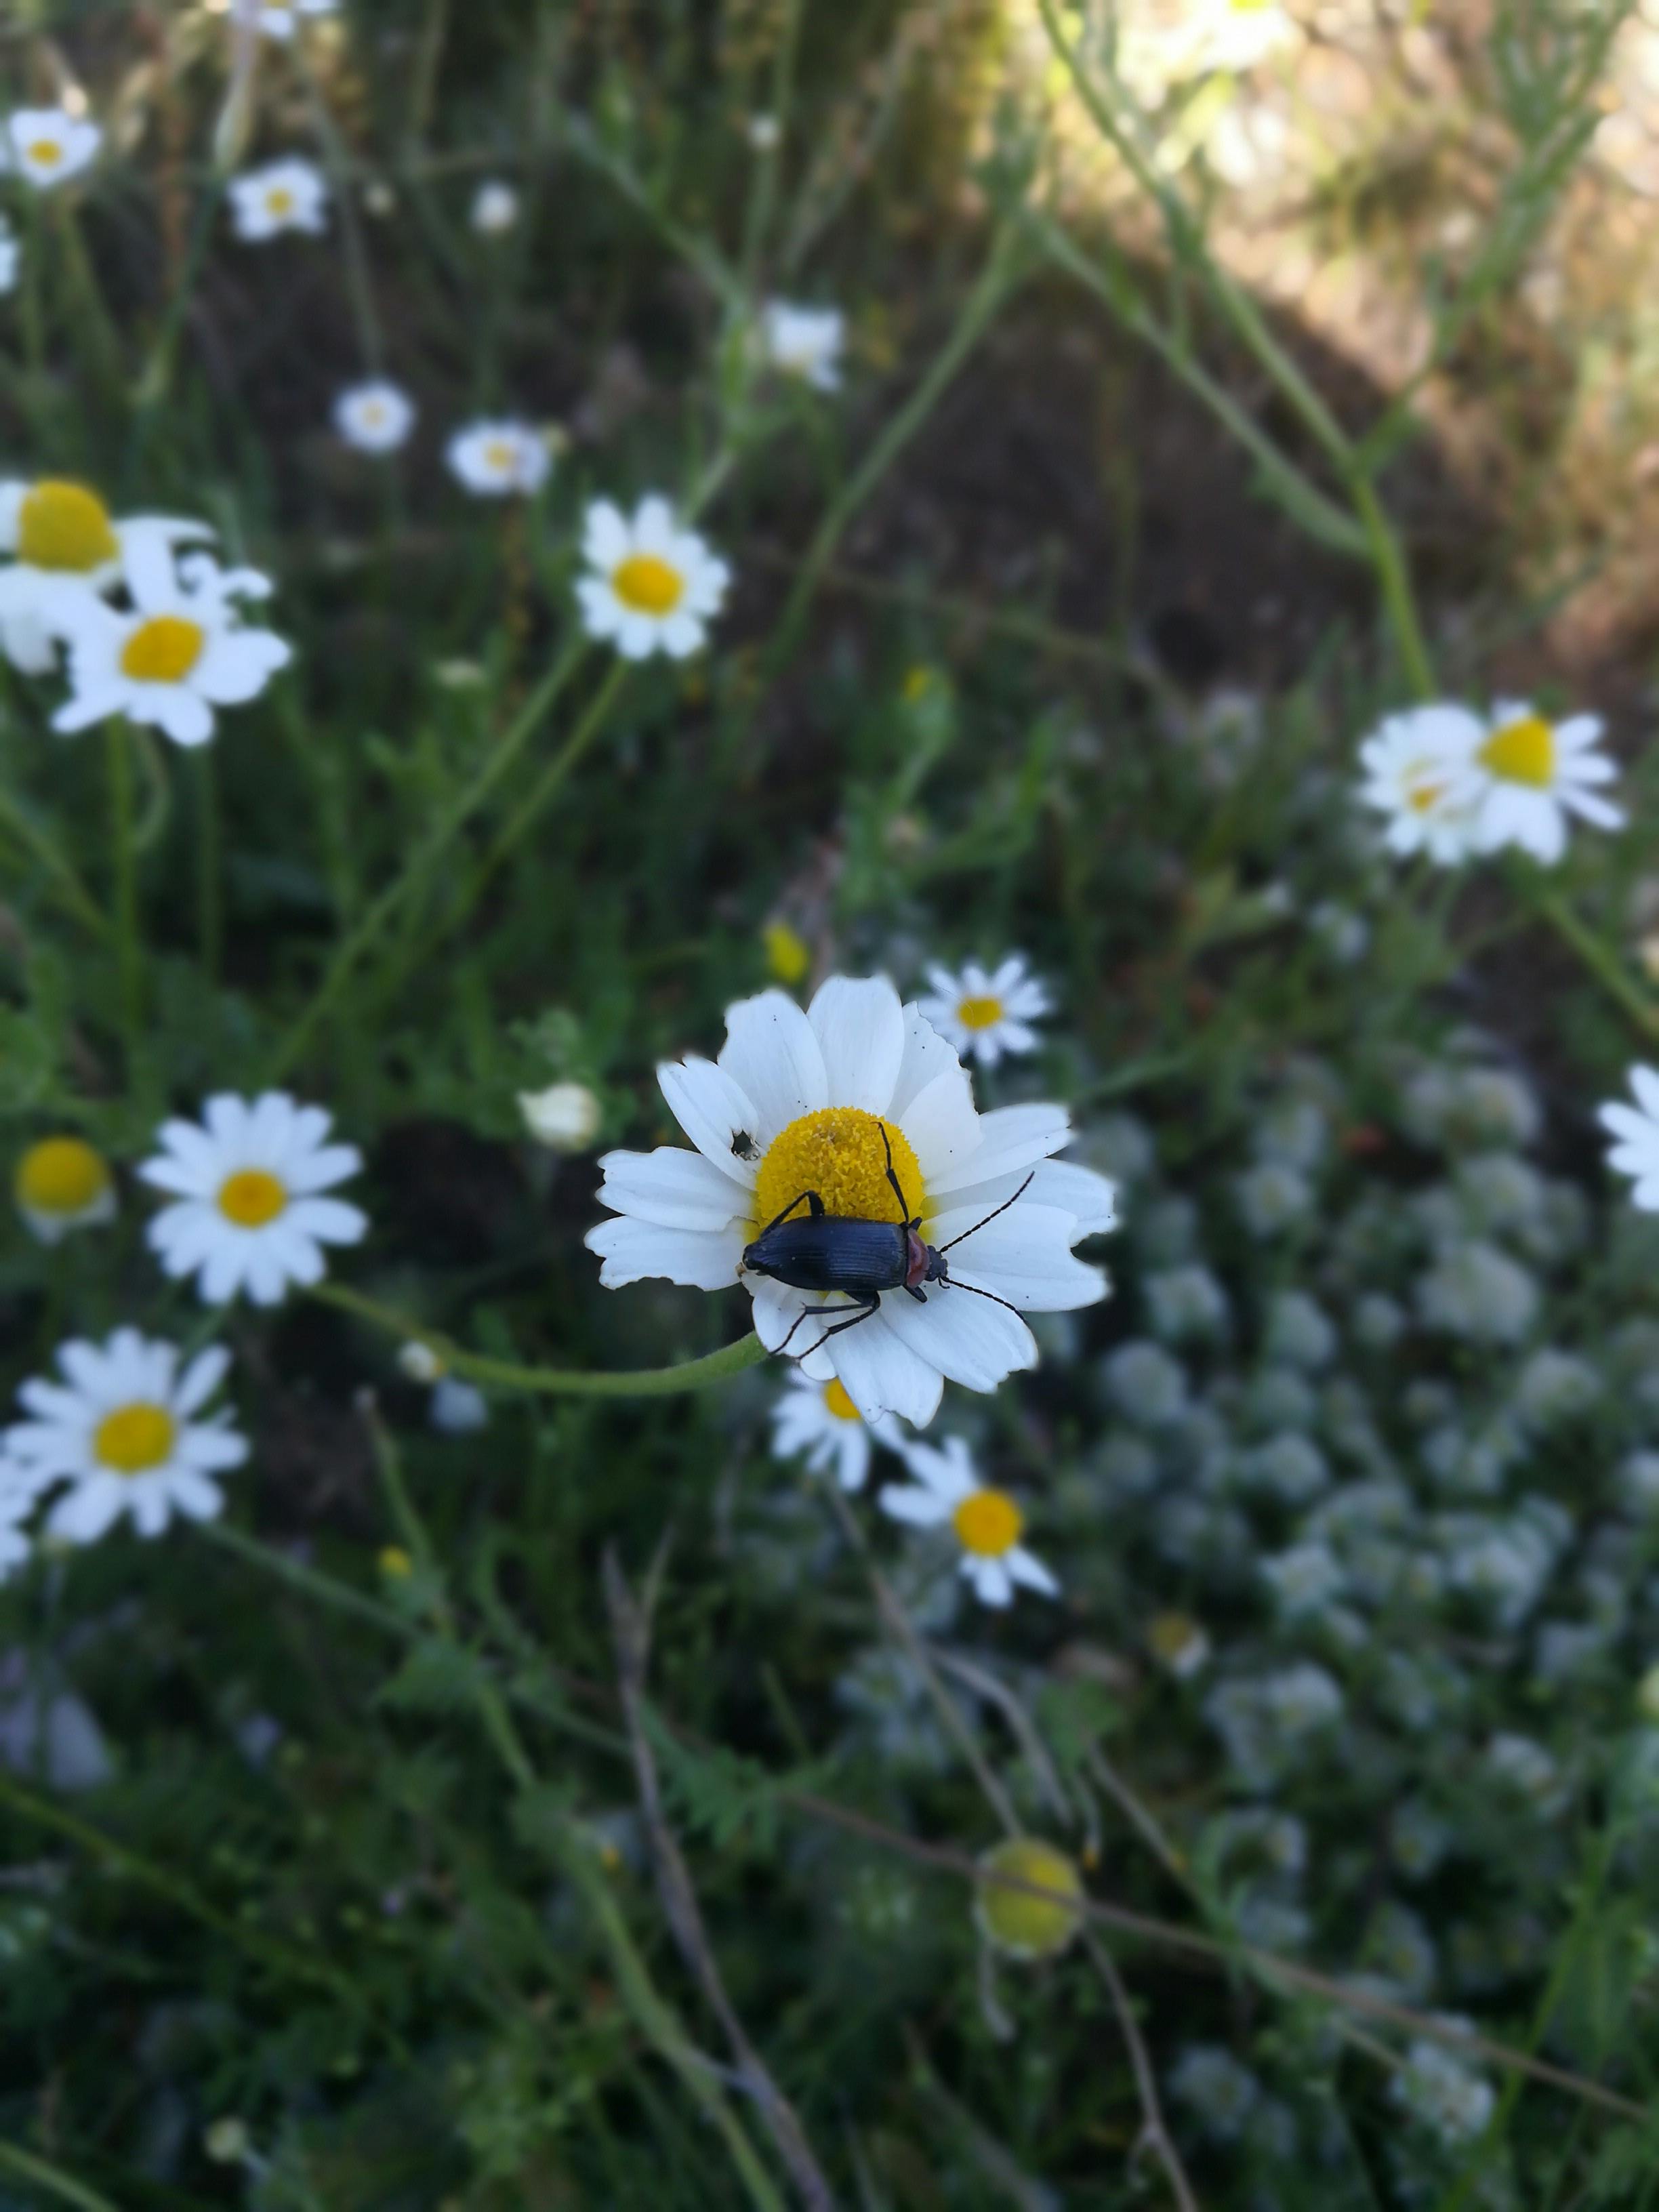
861, 1259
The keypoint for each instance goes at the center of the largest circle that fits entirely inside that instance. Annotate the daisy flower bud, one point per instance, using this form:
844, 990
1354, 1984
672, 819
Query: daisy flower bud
62, 1183
803, 342
494, 208
1013, 1920
565, 1117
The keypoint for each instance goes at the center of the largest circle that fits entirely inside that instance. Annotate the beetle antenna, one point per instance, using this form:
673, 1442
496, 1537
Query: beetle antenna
892, 1177
992, 1216
974, 1290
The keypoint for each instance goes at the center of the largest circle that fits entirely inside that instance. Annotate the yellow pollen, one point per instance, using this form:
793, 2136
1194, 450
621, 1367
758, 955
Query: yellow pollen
252, 1197
982, 1013
498, 454
836, 1398
279, 200
988, 1523
647, 584
1522, 752
61, 1174
45, 153
163, 650
1423, 797
134, 1438
1025, 1926
65, 526
837, 1152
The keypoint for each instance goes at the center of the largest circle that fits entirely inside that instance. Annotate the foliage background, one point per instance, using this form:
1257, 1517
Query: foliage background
327, 1885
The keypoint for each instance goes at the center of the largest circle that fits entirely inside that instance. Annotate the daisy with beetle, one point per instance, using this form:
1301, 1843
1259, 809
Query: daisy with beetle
889, 1234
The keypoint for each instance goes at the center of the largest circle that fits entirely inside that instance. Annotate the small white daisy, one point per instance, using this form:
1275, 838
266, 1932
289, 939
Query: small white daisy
1529, 774
655, 587
494, 208
248, 1181
62, 1184
1416, 772
986, 1015
10, 252
63, 542
818, 1103
179, 652
281, 19
47, 145
375, 418
986, 1523
119, 1430
286, 195
566, 1117
1635, 1153
819, 1423
804, 342
496, 458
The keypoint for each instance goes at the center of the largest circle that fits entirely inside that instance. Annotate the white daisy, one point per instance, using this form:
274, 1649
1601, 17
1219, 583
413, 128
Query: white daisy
495, 459
286, 195
176, 655
819, 1423
813, 1102
494, 208
47, 145
985, 1015
1635, 1153
376, 418
1416, 770
1529, 774
986, 1523
804, 342
61, 1184
63, 542
119, 1430
9, 255
655, 586
281, 19
248, 1181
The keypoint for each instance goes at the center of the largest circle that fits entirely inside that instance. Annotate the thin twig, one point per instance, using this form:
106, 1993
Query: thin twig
630, 1633
1154, 2134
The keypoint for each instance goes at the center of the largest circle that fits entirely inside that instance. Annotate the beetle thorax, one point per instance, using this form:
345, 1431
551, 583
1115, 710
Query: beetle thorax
838, 1152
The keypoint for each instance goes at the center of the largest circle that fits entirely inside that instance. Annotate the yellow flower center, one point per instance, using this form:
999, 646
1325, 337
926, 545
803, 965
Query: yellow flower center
648, 583
982, 1013
836, 1398
1170, 1634
61, 1174
163, 650
1422, 798
1522, 751
134, 1438
500, 455
279, 200
45, 153
988, 1523
837, 1152
65, 526
1031, 1927
252, 1197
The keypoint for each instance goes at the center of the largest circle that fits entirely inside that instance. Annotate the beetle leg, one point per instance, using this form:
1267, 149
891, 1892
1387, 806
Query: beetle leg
814, 1206
898, 1189
920, 1296
865, 1307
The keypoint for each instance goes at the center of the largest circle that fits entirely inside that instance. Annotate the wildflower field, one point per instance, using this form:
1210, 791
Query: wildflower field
829, 1051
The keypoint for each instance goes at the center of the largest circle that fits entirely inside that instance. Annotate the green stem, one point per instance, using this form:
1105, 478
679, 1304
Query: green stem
155, 377
43, 2175
337, 164
423, 861
209, 908
1600, 958
76, 897
577, 1382
1394, 581
124, 868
